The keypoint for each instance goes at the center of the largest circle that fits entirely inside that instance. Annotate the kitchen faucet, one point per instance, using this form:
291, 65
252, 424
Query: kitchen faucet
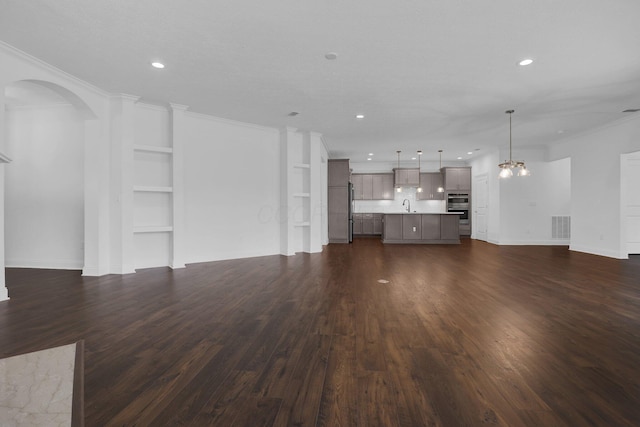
408, 204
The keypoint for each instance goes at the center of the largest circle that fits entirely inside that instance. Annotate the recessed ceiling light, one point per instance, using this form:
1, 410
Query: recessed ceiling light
359, 116
459, 158
469, 152
527, 61
368, 158
157, 64
371, 154
561, 131
331, 56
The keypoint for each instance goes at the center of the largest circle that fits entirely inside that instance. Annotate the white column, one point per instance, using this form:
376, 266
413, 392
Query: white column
315, 192
287, 246
96, 200
4, 292
178, 139
122, 140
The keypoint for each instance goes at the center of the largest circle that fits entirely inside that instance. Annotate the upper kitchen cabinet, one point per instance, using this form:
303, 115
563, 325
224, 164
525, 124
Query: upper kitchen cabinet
457, 178
338, 173
430, 183
406, 177
372, 186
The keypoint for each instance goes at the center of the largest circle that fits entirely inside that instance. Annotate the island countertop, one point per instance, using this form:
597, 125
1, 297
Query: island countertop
421, 228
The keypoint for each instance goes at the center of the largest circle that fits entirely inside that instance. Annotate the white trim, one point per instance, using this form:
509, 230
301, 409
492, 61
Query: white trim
229, 121
60, 264
597, 251
152, 148
222, 256
554, 242
142, 104
50, 68
152, 189
9, 107
152, 228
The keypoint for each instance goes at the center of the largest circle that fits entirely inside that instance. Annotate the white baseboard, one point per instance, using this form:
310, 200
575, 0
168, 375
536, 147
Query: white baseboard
54, 264
554, 242
598, 251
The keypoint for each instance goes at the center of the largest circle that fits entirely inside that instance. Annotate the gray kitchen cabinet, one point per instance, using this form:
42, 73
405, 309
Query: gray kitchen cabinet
430, 183
411, 227
338, 200
367, 223
377, 223
430, 227
388, 192
357, 223
392, 227
414, 228
357, 181
338, 172
458, 178
449, 227
405, 177
377, 186
367, 187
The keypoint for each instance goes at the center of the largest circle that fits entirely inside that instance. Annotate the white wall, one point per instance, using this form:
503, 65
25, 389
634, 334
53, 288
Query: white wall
528, 203
595, 185
520, 208
44, 212
231, 190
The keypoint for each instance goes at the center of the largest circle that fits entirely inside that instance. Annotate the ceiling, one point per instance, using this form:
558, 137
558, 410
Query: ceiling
426, 74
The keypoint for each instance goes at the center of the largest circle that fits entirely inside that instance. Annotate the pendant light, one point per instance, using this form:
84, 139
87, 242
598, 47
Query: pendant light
507, 166
440, 188
398, 189
419, 190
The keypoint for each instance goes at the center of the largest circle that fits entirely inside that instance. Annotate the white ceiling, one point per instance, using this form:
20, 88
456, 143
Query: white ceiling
427, 74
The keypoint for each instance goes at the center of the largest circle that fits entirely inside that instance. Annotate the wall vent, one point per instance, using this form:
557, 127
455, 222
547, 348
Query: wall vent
561, 227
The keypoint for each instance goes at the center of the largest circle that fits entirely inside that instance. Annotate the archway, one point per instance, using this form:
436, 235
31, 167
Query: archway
44, 185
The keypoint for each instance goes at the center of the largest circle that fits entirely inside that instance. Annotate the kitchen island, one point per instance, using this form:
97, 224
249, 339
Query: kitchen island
421, 228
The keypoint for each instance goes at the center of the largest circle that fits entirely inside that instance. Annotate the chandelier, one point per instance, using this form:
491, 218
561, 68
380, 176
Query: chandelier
507, 166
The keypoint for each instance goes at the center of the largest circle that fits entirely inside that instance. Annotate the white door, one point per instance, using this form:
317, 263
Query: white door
480, 206
632, 201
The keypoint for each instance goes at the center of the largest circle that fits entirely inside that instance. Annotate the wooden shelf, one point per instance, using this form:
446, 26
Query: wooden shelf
301, 195
302, 165
153, 149
152, 189
152, 229
302, 224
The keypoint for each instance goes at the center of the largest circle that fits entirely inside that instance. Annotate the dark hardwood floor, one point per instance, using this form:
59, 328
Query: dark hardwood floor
465, 335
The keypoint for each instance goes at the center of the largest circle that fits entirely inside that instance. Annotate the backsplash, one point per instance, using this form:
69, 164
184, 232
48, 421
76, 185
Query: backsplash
392, 206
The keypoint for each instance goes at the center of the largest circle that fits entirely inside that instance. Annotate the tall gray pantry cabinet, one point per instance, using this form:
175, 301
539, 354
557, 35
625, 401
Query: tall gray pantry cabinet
338, 200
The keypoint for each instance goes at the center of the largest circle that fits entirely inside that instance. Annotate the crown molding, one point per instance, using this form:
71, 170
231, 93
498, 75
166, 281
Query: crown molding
230, 122
50, 68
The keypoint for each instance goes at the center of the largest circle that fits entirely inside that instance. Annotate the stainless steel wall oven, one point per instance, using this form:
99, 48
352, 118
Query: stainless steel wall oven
459, 202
